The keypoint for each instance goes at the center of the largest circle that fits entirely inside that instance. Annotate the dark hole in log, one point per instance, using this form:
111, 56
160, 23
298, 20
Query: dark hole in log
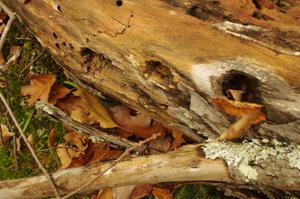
59, 8
119, 2
71, 46
64, 43
55, 35
57, 45
246, 84
256, 3
86, 52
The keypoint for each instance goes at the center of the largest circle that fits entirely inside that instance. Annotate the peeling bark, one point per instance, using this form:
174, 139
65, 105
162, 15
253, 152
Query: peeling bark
188, 163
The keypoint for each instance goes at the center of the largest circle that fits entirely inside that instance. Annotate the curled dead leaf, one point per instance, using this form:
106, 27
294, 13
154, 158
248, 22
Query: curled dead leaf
141, 191
85, 108
239, 109
39, 88
239, 128
135, 123
161, 193
5, 135
58, 92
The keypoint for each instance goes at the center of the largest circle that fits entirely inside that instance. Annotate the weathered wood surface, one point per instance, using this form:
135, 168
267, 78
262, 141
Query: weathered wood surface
187, 163
156, 58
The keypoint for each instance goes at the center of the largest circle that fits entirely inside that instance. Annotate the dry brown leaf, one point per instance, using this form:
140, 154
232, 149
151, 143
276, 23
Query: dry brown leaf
2, 60
239, 109
52, 138
39, 88
161, 193
5, 135
58, 92
122, 192
141, 191
239, 128
105, 194
177, 140
85, 108
83, 151
15, 51
137, 124
64, 156
163, 143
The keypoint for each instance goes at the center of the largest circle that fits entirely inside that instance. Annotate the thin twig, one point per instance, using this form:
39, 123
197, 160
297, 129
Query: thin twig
85, 129
12, 17
15, 152
126, 153
29, 146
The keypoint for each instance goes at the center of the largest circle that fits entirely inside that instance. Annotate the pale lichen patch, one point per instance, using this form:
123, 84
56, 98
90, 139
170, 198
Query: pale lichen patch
244, 159
249, 172
294, 158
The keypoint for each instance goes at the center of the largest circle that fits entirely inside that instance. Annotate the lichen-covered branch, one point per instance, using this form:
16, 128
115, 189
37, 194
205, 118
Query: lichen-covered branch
260, 167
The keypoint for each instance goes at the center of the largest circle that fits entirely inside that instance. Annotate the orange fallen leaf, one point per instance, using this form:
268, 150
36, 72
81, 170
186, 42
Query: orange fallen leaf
178, 140
239, 109
141, 191
161, 193
138, 124
58, 92
39, 88
239, 128
5, 135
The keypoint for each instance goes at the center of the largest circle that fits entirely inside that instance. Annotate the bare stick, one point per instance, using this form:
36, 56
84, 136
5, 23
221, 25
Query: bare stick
12, 17
14, 142
126, 152
29, 146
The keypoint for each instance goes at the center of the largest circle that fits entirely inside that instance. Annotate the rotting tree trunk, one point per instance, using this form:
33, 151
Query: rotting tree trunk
169, 58
156, 58
187, 163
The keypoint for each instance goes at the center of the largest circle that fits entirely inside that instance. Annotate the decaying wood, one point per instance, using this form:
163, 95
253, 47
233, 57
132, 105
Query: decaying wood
170, 58
187, 163
156, 58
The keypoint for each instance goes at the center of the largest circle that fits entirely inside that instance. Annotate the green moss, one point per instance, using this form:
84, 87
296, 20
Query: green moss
31, 121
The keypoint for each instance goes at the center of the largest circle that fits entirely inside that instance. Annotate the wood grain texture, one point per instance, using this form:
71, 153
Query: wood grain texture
158, 59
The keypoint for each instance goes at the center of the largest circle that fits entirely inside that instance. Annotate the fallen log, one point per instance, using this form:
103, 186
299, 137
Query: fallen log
156, 58
188, 163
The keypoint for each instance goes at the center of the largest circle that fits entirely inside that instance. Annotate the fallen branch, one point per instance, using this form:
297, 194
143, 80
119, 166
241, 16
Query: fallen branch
186, 164
12, 17
43, 169
113, 163
88, 130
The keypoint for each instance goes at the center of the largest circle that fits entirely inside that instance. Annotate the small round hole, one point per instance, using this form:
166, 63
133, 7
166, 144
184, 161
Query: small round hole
57, 45
64, 43
55, 35
119, 2
59, 8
